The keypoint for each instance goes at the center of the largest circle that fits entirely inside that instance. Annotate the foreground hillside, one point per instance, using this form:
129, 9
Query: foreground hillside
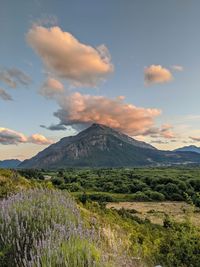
46, 227
102, 146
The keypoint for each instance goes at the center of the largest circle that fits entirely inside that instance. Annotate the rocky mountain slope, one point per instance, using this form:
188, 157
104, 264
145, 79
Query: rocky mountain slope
102, 146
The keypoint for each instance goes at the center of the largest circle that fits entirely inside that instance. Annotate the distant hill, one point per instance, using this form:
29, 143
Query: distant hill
102, 146
191, 148
9, 163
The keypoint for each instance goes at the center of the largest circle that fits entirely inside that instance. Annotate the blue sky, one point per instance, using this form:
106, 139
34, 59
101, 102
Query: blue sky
138, 34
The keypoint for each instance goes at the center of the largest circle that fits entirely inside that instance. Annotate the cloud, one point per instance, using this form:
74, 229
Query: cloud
196, 139
77, 109
4, 95
51, 87
46, 20
165, 131
160, 142
177, 68
39, 139
54, 127
68, 58
157, 74
11, 137
8, 137
14, 77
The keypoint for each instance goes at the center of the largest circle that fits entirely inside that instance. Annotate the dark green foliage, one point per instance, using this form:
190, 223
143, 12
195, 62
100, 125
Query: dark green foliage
32, 174
152, 184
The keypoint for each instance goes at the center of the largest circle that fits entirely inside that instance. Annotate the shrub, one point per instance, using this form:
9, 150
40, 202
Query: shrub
44, 228
140, 196
153, 195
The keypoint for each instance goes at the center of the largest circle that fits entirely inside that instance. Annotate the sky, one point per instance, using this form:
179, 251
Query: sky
133, 65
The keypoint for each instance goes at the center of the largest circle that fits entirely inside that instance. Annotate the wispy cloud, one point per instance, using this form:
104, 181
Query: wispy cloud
14, 77
177, 68
11, 137
54, 127
196, 139
4, 95
165, 131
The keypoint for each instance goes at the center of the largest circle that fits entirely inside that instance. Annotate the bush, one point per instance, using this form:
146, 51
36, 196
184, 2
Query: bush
153, 195
44, 228
57, 181
140, 196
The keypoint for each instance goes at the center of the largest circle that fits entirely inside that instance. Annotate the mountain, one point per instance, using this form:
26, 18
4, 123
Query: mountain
102, 146
191, 148
9, 163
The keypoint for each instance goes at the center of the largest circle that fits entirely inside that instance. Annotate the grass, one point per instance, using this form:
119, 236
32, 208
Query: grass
157, 211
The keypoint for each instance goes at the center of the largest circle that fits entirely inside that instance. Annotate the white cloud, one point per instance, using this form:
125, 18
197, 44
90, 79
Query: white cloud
177, 68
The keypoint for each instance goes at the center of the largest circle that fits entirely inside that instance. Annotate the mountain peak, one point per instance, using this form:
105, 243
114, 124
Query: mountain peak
102, 146
99, 126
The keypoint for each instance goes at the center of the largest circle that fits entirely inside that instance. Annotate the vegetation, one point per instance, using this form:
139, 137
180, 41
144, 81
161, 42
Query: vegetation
144, 184
45, 227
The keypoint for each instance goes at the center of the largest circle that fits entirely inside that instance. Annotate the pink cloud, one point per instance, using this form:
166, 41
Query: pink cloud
157, 74
86, 109
197, 139
8, 137
39, 139
51, 87
11, 137
68, 58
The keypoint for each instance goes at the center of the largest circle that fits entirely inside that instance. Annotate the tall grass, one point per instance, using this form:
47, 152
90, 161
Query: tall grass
44, 228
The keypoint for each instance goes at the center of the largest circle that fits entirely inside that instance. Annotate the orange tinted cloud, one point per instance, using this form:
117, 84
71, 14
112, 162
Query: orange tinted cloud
166, 131
197, 139
68, 58
11, 137
51, 87
39, 139
86, 109
156, 74
8, 137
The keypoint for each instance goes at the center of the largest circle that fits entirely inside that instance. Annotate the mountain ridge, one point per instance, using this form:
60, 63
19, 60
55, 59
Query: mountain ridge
102, 146
9, 163
191, 148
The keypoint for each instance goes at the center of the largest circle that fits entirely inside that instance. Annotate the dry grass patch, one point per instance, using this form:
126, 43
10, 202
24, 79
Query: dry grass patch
156, 211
